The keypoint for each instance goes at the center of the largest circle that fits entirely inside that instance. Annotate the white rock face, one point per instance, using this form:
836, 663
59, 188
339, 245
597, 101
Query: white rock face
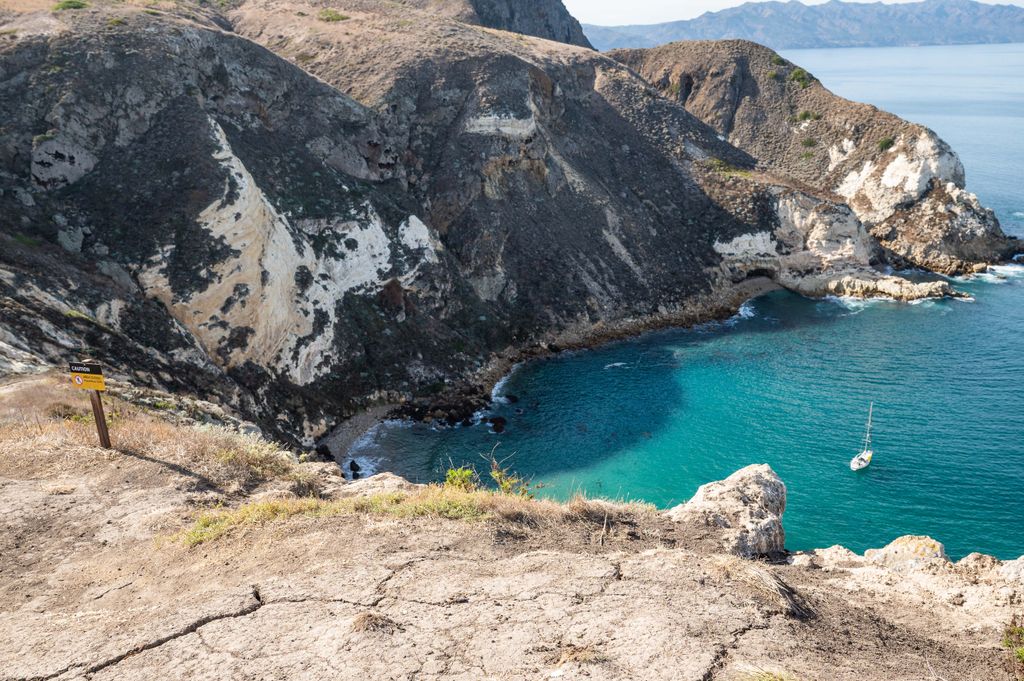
747, 507
506, 126
60, 161
901, 176
1013, 571
417, 237
819, 249
838, 153
254, 308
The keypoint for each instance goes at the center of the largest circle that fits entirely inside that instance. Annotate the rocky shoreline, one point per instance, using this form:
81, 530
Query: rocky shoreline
462, 404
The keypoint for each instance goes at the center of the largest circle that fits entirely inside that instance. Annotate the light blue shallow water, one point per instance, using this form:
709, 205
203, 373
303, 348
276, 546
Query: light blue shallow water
788, 383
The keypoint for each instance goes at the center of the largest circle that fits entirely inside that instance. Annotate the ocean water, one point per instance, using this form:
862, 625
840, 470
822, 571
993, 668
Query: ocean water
788, 381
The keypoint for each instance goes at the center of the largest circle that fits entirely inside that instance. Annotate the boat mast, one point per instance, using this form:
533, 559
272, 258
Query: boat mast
867, 436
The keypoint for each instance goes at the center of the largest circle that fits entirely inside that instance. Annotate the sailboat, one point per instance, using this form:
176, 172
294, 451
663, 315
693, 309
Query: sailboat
863, 460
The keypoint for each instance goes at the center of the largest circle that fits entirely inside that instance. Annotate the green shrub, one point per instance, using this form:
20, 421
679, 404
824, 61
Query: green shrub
28, 241
463, 479
331, 15
726, 168
778, 60
809, 116
801, 77
508, 482
886, 143
116, 21
809, 142
773, 74
1013, 641
151, 12
807, 156
69, 4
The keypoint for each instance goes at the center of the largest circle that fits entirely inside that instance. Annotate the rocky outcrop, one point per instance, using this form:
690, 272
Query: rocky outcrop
908, 550
819, 249
548, 19
542, 18
745, 510
904, 183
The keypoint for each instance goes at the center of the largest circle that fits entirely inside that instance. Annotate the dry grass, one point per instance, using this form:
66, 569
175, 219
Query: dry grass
766, 583
372, 623
430, 501
764, 675
53, 422
573, 654
45, 425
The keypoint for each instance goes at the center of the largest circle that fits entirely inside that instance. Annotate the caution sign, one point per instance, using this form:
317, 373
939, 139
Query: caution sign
87, 376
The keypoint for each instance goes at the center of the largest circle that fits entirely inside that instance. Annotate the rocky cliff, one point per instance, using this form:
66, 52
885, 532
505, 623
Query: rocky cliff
903, 182
301, 210
541, 18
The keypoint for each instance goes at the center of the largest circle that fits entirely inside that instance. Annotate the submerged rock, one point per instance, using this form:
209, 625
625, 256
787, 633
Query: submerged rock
747, 507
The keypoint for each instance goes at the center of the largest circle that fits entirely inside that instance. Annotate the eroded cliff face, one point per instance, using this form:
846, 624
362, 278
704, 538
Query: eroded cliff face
303, 216
903, 182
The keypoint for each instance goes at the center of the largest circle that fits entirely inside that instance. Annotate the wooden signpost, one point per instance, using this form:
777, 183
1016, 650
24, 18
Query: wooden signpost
89, 376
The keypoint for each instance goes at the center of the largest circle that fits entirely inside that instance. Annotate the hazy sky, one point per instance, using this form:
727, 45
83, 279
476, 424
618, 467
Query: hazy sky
617, 12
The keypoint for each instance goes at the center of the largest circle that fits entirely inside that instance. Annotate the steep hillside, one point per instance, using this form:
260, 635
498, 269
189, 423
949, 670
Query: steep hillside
794, 25
301, 210
900, 178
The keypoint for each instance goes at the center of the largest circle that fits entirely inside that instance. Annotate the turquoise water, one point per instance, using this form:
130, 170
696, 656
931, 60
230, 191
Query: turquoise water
788, 381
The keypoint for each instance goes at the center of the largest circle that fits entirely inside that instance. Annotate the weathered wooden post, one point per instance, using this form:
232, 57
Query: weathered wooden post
89, 376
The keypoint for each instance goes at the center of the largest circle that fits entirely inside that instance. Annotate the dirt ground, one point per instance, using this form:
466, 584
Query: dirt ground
96, 583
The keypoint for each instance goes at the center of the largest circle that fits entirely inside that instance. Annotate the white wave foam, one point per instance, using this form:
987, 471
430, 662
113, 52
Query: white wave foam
615, 365
856, 305
747, 311
499, 387
365, 451
368, 466
996, 274
1018, 213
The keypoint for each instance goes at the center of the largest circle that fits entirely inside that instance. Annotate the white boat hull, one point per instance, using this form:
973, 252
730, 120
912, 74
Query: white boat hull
861, 461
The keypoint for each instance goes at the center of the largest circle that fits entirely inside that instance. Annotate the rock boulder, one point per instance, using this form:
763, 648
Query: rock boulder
909, 551
747, 507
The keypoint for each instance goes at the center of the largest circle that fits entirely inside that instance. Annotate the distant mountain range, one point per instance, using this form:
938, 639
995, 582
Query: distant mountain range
794, 25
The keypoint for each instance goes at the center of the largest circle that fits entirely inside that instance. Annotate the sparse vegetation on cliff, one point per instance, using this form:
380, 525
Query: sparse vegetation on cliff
724, 167
331, 15
69, 4
1013, 641
886, 143
801, 77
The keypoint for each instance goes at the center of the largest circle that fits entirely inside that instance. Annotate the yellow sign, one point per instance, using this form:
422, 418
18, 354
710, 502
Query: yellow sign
87, 376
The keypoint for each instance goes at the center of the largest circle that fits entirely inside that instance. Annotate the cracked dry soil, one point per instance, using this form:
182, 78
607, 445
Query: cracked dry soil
93, 586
